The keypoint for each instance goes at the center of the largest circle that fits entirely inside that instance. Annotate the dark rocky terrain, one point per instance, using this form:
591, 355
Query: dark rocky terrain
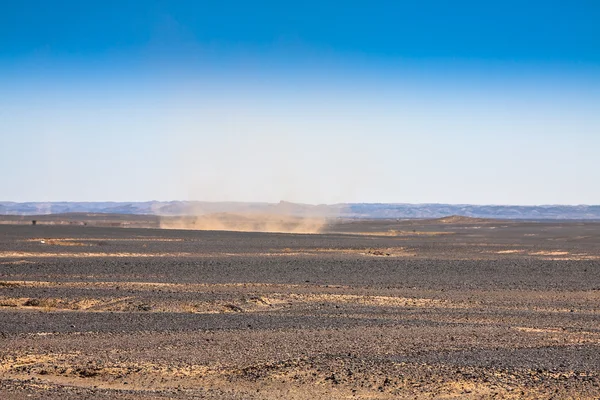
448, 308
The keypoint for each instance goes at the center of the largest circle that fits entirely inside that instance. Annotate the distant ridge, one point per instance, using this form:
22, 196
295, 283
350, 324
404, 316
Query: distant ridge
349, 210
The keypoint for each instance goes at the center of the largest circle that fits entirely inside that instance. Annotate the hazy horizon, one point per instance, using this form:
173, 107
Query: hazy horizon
299, 203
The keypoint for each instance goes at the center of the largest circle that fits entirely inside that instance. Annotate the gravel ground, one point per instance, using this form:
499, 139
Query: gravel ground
371, 309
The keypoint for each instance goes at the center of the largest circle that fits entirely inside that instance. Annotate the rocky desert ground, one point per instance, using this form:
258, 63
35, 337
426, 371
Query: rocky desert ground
448, 308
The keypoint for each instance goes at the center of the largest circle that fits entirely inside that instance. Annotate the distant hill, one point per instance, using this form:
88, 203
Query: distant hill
369, 210
351, 210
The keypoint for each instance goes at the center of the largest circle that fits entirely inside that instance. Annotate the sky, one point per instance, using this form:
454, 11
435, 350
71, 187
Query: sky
493, 102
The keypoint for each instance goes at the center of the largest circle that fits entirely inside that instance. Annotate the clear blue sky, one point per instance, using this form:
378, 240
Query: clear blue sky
314, 101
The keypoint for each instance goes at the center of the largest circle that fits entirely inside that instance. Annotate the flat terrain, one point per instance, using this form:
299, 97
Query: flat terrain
450, 308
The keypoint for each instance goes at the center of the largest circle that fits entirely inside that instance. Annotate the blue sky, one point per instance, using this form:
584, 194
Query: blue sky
314, 101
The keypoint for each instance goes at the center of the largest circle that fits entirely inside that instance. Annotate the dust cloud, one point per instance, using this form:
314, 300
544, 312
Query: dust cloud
282, 217
246, 222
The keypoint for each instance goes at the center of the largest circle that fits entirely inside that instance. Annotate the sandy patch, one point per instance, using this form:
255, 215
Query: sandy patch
389, 251
382, 301
257, 298
85, 240
52, 304
16, 262
71, 369
62, 242
563, 255
20, 362
550, 253
395, 233
537, 330
25, 254
462, 389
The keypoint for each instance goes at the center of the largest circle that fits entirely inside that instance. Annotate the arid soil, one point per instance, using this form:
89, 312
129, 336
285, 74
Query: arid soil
450, 308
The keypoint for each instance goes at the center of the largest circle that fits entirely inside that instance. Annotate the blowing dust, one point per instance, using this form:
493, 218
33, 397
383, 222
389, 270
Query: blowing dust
247, 222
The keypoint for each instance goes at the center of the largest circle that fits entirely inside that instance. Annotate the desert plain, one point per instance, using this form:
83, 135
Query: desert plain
368, 309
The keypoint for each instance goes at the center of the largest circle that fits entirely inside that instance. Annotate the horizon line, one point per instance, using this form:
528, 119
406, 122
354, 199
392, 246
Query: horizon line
303, 203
